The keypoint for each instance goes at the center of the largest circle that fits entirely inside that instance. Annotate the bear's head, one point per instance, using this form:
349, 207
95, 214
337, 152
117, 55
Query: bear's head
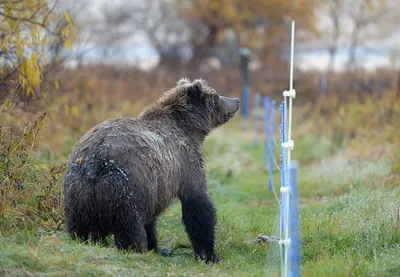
194, 106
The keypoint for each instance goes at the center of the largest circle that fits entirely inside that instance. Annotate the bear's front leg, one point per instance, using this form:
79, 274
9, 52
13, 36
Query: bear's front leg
199, 218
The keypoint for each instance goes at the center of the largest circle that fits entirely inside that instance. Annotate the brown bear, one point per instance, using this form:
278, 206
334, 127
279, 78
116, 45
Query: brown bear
125, 172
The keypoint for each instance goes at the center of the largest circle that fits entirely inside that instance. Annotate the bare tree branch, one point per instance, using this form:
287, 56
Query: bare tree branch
33, 22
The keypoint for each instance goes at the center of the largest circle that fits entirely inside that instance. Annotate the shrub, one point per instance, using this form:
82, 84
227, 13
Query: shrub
30, 190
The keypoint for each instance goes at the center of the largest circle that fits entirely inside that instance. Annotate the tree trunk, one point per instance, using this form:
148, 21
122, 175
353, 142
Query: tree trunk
202, 50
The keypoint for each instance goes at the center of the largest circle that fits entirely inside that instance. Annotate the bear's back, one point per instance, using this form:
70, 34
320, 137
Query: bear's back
148, 154
120, 135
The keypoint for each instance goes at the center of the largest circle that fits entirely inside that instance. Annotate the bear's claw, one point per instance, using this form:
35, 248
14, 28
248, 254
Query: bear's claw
213, 258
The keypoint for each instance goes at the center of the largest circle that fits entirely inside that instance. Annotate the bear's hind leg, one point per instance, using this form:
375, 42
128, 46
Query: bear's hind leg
131, 238
152, 244
99, 237
80, 235
151, 232
87, 234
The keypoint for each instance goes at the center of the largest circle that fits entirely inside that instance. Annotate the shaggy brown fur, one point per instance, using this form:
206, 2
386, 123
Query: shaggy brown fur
125, 172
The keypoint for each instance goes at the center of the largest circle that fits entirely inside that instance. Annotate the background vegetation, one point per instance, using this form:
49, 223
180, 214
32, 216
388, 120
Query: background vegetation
61, 73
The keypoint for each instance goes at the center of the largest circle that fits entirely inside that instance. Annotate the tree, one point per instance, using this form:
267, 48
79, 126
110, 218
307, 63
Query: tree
365, 17
165, 29
190, 31
335, 9
260, 25
28, 31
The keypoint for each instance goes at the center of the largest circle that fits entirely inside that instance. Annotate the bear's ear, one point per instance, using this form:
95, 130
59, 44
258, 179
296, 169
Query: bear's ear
196, 88
200, 83
183, 81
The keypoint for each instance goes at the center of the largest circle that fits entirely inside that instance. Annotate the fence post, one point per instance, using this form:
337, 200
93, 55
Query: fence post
324, 84
294, 226
272, 145
283, 167
266, 130
245, 107
257, 117
287, 145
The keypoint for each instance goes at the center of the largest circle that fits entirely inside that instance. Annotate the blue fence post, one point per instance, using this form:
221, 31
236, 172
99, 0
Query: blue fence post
257, 117
245, 106
324, 84
283, 165
272, 145
294, 226
266, 129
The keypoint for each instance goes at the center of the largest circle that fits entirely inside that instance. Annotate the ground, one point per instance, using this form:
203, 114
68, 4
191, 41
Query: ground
350, 223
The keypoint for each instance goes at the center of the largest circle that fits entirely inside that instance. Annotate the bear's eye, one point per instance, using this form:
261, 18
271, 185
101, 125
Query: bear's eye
214, 97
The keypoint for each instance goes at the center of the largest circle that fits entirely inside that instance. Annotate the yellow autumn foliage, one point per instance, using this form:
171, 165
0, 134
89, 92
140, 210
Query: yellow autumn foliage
242, 17
27, 34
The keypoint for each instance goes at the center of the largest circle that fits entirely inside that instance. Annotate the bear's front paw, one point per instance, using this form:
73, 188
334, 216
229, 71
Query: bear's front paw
213, 258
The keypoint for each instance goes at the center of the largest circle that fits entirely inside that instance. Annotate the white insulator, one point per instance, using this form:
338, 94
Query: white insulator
288, 144
284, 241
290, 93
285, 189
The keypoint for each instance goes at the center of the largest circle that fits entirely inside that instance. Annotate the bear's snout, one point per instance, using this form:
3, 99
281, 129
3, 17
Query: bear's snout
230, 105
238, 103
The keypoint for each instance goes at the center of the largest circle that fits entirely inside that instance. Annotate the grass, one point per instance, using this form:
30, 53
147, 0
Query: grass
350, 223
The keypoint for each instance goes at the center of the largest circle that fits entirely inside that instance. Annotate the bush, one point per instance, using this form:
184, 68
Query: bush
30, 190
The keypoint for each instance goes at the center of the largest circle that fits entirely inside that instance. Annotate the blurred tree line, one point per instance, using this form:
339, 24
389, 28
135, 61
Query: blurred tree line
194, 38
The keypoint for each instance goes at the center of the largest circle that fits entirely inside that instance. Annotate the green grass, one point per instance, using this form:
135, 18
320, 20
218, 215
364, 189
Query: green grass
350, 223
